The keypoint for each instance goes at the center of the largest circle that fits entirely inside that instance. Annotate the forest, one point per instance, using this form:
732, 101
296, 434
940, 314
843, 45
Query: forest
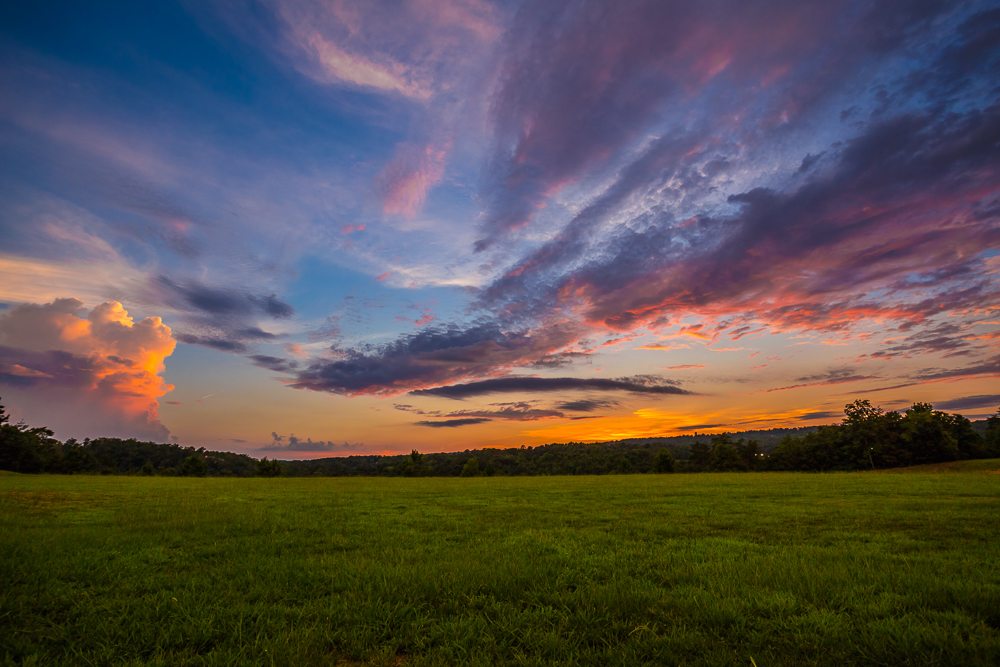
867, 438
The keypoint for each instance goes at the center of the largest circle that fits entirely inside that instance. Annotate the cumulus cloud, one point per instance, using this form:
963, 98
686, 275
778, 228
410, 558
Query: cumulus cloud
101, 365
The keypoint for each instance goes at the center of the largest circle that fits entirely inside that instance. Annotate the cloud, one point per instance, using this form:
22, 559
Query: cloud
101, 366
984, 368
949, 338
217, 343
406, 180
519, 411
586, 404
991, 401
274, 363
220, 302
697, 427
217, 317
989, 366
560, 359
385, 74
431, 356
810, 258
831, 377
640, 384
818, 414
292, 443
453, 423
413, 49
581, 83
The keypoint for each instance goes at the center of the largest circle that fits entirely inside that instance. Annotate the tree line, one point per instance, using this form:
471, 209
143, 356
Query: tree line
867, 438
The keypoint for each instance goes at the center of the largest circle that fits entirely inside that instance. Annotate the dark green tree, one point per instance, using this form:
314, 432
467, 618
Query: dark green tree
471, 468
193, 465
266, 468
27, 449
991, 444
927, 436
664, 461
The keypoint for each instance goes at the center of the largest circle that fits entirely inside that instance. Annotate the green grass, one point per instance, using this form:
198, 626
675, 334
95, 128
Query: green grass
708, 569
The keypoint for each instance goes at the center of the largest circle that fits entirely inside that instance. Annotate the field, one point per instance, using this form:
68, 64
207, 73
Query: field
706, 569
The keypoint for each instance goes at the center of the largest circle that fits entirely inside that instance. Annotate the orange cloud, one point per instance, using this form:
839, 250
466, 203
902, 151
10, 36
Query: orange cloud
102, 357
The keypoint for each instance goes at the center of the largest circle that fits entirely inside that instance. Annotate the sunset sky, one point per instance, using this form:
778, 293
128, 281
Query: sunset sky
322, 228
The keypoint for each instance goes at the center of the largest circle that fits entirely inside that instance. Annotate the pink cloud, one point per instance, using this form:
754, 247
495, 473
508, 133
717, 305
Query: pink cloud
409, 176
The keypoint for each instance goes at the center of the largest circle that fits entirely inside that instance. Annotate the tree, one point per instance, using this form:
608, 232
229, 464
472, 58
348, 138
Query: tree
700, 457
471, 468
193, 466
664, 461
926, 435
992, 437
266, 468
27, 449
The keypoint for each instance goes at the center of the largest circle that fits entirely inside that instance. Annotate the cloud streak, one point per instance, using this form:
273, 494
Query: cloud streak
636, 384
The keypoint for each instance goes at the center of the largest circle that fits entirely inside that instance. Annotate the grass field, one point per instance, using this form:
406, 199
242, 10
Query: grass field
707, 569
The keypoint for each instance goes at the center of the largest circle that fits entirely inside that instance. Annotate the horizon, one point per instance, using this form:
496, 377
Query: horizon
342, 228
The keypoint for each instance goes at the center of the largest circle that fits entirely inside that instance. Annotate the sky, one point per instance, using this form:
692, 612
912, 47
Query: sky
300, 228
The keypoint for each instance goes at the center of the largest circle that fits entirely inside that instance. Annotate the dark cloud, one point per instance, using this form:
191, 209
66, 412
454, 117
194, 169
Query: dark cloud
220, 318
20, 367
697, 427
950, 339
586, 405
274, 363
833, 376
224, 344
512, 412
292, 443
970, 402
988, 367
453, 423
818, 414
559, 359
255, 333
641, 384
519, 411
221, 302
431, 356
272, 305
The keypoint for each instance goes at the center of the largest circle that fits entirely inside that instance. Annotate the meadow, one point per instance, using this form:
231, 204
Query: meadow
702, 569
